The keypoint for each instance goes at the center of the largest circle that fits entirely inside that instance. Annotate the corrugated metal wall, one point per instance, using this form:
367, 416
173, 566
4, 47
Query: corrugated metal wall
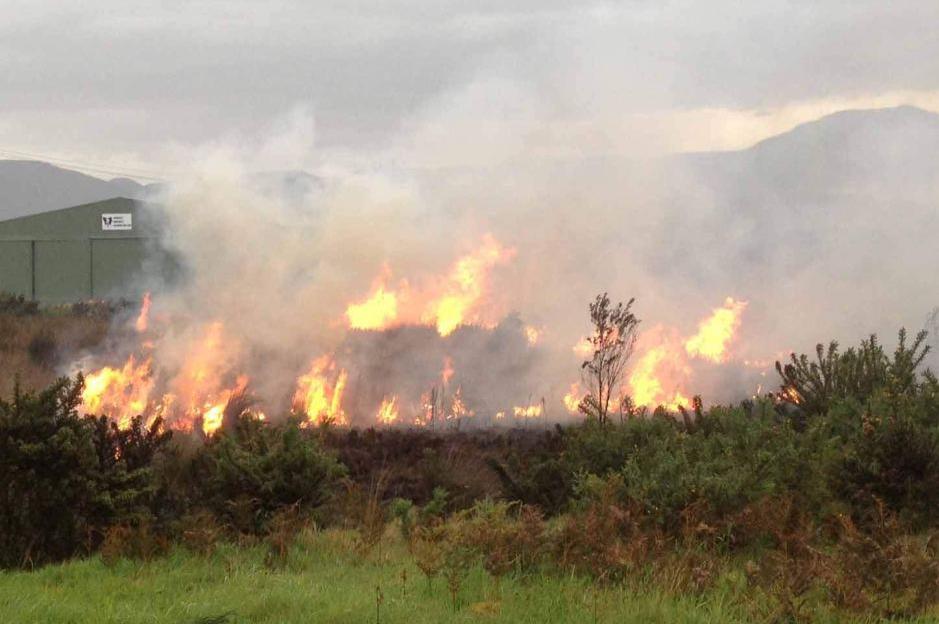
68, 255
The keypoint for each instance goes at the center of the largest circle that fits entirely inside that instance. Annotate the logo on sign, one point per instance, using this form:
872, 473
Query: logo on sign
117, 221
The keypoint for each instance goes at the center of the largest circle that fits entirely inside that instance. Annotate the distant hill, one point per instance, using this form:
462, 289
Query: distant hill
28, 187
848, 151
773, 207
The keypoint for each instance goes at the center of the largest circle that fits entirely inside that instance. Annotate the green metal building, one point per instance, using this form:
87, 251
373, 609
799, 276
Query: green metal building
102, 250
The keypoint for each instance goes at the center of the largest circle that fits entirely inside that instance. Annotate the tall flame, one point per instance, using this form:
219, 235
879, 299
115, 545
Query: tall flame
378, 311
213, 412
319, 398
716, 331
120, 393
388, 412
466, 285
143, 319
573, 397
447, 373
647, 381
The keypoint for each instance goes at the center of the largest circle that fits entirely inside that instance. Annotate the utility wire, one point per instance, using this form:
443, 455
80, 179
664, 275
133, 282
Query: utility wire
103, 169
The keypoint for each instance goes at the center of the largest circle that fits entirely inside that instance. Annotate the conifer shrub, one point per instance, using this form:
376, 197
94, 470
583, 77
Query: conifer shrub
65, 479
891, 457
721, 461
247, 474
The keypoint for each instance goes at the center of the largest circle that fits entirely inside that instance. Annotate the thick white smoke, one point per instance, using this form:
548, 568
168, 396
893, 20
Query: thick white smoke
277, 257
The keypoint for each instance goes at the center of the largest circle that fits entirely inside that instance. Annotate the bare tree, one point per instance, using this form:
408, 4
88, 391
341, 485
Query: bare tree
615, 329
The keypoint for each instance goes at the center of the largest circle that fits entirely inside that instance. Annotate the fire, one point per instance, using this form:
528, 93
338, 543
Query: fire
791, 394
573, 398
647, 381
447, 373
428, 409
200, 383
444, 303
388, 412
196, 392
716, 331
466, 285
583, 349
378, 311
120, 393
663, 369
528, 411
213, 413
143, 319
458, 408
319, 398
532, 334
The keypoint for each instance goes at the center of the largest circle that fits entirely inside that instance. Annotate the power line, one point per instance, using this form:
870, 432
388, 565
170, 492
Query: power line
104, 169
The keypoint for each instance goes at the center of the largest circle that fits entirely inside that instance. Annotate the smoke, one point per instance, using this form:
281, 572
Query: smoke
272, 257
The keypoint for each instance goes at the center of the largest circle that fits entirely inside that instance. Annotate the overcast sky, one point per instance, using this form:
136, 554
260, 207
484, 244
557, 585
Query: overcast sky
116, 83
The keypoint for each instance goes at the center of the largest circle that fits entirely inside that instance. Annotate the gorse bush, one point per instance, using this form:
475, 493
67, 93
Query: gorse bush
815, 387
830, 494
891, 457
247, 474
65, 479
723, 460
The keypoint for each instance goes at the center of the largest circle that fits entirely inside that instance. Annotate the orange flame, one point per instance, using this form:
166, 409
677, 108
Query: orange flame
213, 413
388, 412
458, 408
120, 393
143, 319
378, 311
199, 383
319, 398
532, 335
573, 398
466, 285
447, 373
658, 366
528, 411
583, 349
716, 331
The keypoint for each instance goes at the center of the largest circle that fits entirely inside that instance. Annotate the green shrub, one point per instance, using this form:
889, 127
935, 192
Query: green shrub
249, 473
539, 474
892, 457
436, 507
724, 459
403, 511
65, 479
815, 387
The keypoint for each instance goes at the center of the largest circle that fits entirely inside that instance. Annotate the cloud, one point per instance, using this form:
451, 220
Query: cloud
109, 78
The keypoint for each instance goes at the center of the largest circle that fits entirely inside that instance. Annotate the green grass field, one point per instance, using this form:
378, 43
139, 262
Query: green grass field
323, 581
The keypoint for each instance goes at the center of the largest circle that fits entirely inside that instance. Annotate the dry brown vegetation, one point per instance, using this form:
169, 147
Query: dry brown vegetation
33, 347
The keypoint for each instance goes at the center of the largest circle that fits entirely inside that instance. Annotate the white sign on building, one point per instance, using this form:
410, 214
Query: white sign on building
117, 221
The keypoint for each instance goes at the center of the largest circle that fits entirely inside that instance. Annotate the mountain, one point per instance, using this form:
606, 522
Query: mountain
838, 178
849, 151
835, 221
28, 187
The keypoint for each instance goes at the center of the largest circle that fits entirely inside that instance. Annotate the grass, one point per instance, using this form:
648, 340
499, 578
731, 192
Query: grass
323, 581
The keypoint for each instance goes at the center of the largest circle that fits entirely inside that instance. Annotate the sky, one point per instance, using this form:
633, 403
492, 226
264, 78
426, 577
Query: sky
129, 86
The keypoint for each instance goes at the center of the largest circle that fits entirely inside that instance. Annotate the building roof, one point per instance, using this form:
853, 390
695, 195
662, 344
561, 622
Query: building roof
85, 221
